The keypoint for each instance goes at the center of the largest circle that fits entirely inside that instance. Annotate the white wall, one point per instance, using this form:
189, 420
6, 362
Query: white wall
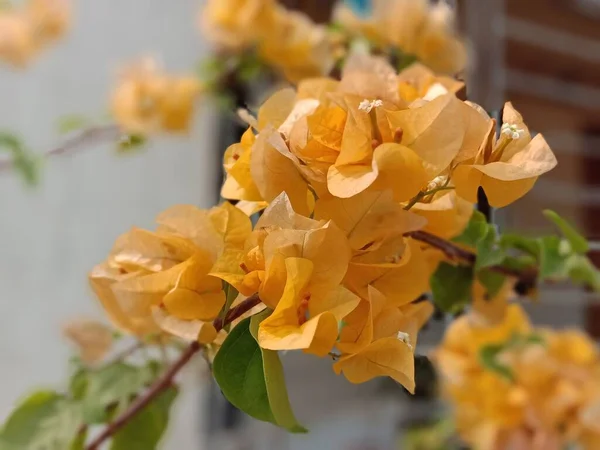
52, 235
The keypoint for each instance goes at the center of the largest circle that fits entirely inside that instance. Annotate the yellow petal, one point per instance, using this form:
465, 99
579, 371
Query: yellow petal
368, 218
466, 181
384, 357
447, 215
326, 126
275, 173
190, 330
276, 109
400, 169
316, 87
503, 193
188, 305
434, 131
357, 332
347, 181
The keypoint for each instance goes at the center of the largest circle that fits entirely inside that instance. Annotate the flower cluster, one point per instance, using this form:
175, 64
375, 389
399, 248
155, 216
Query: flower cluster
147, 100
26, 30
287, 40
412, 28
337, 165
518, 387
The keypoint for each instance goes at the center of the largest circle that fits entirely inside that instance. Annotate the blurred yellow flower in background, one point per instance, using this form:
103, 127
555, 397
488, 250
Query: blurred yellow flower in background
517, 387
93, 339
146, 100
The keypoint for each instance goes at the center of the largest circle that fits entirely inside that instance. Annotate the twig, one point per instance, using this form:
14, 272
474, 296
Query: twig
166, 379
455, 252
88, 136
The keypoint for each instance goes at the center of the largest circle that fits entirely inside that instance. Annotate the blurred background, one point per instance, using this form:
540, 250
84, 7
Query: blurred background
543, 55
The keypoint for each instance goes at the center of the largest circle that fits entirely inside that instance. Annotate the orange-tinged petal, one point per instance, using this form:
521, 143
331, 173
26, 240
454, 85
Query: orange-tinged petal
316, 87
384, 357
190, 330
326, 126
467, 180
400, 169
276, 109
503, 193
188, 305
347, 181
357, 332
447, 214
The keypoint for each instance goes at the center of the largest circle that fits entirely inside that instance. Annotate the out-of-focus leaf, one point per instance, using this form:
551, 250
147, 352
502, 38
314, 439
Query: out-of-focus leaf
489, 252
113, 386
522, 243
131, 142
78, 384
579, 244
581, 270
488, 356
492, 281
475, 231
43, 421
72, 122
24, 161
552, 260
451, 287
145, 430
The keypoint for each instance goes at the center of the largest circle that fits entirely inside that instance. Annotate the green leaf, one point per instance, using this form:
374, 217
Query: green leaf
80, 439
581, 270
238, 370
275, 382
488, 356
475, 231
552, 258
44, 421
78, 384
113, 385
131, 142
579, 243
24, 161
489, 252
492, 281
72, 122
451, 287
231, 294
522, 243
147, 427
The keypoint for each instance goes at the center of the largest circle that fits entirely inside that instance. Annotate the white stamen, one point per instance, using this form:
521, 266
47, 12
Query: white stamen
512, 131
404, 337
367, 105
437, 182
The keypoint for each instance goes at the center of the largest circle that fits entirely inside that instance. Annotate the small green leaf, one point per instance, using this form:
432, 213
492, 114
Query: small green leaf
72, 122
114, 385
579, 244
492, 281
78, 384
238, 370
475, 231
581, 270
488, 356
147, 427
44, 421
131, 142
552, 260
451, 287
522, 243
23, 160
275, 382
489, 252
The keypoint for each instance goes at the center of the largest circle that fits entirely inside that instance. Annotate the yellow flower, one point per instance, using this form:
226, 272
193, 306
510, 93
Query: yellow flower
147, 100
17, 41
235, 24
447, 214
258, 263
296, 46
93, 339
539, 388
418, 82
162, 277
307, 315
378, 339
506, 167
381, 256
50, 18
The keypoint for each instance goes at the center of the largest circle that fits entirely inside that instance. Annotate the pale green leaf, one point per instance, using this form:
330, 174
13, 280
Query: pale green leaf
145, 430
475, 231
579, 244
451, 287
552, 260
492, 281
488, 251
275, 382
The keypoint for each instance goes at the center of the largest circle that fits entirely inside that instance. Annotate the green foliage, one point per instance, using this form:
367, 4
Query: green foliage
475, 230
250, 384
45, 420
72, 122
111, 389
492, 281
482, 237
451, 287
23, 160
131, 142
145, 430
578, 243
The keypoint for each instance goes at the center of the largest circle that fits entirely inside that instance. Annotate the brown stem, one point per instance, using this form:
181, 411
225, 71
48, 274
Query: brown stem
455, 252
89, 136
166, 379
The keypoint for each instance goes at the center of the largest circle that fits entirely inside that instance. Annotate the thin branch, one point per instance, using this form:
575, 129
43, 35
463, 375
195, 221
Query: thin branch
166, 379
455, 252
92, 135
